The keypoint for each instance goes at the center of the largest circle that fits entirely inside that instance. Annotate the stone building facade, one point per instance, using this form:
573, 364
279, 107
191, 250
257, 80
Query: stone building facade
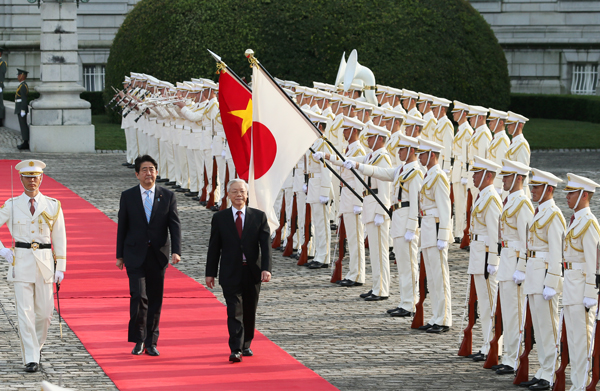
552, 46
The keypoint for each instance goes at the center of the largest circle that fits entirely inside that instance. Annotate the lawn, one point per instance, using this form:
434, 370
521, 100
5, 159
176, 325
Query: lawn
556, 134
109, 135
541, 134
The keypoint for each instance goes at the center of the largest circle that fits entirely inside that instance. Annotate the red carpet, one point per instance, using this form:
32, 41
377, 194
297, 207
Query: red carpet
94, 302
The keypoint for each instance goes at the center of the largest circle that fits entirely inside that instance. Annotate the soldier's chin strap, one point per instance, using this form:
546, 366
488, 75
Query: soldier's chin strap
482, 178
578, 199
428, 159
513, 183
543, 193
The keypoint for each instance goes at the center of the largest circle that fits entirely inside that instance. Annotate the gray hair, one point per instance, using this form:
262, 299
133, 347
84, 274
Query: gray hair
236, 180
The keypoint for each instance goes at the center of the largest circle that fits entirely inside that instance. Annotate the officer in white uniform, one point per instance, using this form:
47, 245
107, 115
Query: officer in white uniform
37, 226
499, 144
519, 150
460, 167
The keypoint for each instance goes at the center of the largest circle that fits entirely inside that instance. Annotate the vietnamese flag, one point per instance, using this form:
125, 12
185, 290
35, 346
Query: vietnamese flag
281, 135
235, 104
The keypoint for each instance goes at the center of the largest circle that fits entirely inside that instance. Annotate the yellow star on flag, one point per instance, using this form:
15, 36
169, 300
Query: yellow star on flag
245, 115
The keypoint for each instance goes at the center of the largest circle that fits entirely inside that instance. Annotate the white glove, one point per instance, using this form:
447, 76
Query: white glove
357, 210
223, 154
349, 164
492, 269
378, 220
409, 236
7, 254
0, 89
548, 293
463, 181
588, 302
58, 276
324, 200
318, 156
305, 188
518, 277
22, 113
442, 244
499, 190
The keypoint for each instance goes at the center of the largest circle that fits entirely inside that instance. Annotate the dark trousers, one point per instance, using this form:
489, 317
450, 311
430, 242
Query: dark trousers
24, 127
146, 285
241, 311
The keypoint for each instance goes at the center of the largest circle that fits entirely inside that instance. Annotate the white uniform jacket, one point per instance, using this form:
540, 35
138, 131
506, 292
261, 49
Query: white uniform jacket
435, 207
484, 230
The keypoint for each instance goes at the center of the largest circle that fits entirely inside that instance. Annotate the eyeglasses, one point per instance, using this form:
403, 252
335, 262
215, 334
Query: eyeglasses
236, 192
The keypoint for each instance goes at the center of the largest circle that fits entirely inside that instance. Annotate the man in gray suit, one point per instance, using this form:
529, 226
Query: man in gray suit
22, 107
3, 67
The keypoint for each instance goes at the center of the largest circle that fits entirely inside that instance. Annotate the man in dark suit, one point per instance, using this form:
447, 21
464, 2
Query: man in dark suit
22, 107
147, 214
240, 241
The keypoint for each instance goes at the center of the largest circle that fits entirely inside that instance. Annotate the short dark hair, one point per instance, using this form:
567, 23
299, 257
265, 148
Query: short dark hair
145, 158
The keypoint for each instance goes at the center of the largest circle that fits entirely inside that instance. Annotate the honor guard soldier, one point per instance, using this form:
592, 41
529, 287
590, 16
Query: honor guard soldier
499, 144
483, 257
460, 167
22, 107
444, 132
3, 67
414, 126
374, 217
436, 232
519, 150
319, 195
409, 102
407, 179
424, 106
38, 259
350, 206
541, 273
516, 216
580, 292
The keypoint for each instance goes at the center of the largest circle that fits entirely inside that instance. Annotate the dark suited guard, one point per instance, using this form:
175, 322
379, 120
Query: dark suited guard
147, 214
240, 241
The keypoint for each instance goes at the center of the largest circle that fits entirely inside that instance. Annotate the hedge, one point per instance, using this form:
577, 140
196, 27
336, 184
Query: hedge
569, 107
441, 47
95, 98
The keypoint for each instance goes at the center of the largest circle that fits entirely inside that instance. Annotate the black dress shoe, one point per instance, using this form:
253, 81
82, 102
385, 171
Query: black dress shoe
318, 265
474, 354
138, 349
131, 165
425, 327
457, 240
175, 187
125, 164
191, 194
32, 367
247, 352
339, 282
182, 190
333, 227
541, 385
236, 357
215, 208
365, 295
479, 357
529, 383
307, 264
505, 370
348, 283
400, 313
23, 146
393, 310
152, 351
437, 329
203, 203
392, 256
196, 198
375, 298
171, 183
496, 367
162, 180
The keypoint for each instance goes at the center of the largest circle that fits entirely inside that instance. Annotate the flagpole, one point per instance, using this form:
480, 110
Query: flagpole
253, 60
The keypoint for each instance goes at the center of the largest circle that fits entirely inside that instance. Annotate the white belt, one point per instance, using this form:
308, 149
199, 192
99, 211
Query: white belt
514, 244
575, 266
538, 254
187, 128
19, 100
479, 238
430, 212
160, 121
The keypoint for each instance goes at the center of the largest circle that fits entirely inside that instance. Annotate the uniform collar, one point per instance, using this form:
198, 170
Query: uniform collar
464, 125
582, 212
517, 138
516, 194
546, 205
411, 165
500, 134
482, 128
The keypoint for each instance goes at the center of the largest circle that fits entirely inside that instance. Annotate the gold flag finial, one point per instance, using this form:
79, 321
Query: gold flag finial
249, 53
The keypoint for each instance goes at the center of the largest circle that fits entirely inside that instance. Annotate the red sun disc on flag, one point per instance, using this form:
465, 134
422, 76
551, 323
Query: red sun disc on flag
265, 149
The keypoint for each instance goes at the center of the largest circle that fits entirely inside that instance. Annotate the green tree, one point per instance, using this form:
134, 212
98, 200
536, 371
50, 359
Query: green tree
441, 47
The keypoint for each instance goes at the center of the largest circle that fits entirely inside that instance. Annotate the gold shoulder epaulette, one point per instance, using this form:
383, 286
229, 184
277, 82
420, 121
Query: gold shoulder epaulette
382, 156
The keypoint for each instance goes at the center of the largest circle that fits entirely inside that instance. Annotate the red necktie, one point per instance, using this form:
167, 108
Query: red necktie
505, 201
536, 211
572, 218
32, 207
238, 223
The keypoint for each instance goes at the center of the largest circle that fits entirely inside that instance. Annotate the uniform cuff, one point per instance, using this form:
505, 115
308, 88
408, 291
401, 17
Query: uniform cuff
61, 264
590, 290
552, 281
444, 234
493, 259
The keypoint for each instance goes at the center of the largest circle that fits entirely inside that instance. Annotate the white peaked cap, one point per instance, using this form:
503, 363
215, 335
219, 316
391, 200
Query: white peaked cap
576, 183
409, 94
300, 89
540, 177
514, 117
477, 110
336, 98
429, 146
481, 164
425, 97
324, 94
290, 83
510, 167
394, 91
497, 114
315, 117
441, 102
412, 120
210, 84
290, 93
279, 81
459, 106
310, 91
324, 86
360, 105
378, 111
384, 89
374, 130
30, 168
390, 113
352, 122
406, 141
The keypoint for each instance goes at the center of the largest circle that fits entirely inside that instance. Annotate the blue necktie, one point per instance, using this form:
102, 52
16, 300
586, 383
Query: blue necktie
148, 205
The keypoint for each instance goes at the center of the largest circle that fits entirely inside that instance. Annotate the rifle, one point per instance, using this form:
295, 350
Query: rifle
307, 234
336, 274
466, 239
559, 375
492, 356
224, 199
522, 370
418, 318
204, 185
466, 346
277, 239
215, 176
289, 242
